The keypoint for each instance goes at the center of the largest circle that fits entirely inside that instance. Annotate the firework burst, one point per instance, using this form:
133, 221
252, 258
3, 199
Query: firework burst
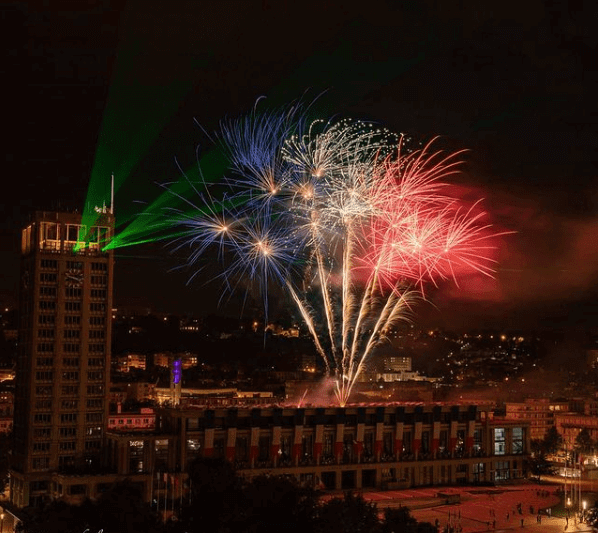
344, 219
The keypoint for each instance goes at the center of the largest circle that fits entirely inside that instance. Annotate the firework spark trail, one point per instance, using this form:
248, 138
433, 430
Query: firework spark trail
342, 213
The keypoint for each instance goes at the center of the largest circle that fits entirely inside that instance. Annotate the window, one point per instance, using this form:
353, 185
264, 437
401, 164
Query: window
67, 445
49, 235
328, 443
517, 444
98, 235
65, 461
95, 361
70, 376
70, 347
99, 267
43, 391
99, 280
73, 292
74, 265
45, 333
95, 403
95, 389
50, 264
99, 294
42, 433
96, 348
42, 418
44, 361
70, 361
44, 376
47, 305
93, 431
41, 446
40, 463
92, 444
93, 417
69, 404
499, 441
67, 432
69, 390
477, 441
47, 347
43, 404
72, 306
501, 470
48, 277
97, 307
47, 292
96, 334
75, 232
72, 333
97, 320
95, 376
68, 418
72, 320
46, 319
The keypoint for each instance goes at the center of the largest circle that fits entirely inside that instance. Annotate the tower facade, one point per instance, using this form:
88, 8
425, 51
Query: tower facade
63, 363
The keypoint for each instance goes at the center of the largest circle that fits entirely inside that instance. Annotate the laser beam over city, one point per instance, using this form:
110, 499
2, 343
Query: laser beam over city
344, 217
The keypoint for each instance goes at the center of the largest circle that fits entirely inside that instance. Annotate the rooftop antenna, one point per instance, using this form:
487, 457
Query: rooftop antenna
112, 195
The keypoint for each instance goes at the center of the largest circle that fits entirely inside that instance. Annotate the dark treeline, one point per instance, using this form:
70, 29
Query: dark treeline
220, 501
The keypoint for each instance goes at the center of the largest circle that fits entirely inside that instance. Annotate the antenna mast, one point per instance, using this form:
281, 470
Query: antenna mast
112, 195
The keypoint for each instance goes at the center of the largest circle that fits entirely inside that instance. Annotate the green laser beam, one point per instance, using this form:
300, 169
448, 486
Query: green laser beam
120, 152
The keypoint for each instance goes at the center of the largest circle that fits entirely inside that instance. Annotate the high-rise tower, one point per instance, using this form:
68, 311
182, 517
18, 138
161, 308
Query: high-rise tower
64, 352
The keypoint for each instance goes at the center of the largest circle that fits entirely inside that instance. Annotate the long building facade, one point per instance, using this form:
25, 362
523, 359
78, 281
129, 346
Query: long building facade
378, 446
64, 349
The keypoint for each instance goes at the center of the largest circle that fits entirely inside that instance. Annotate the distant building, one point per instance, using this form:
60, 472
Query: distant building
211, 397
5, 424
142, 420
539, 413
7, 374
394, 363
165, 359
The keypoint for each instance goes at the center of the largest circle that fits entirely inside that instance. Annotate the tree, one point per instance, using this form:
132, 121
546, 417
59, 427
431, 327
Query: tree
539, 466
279, 503
400, 521
584, 442
537, 447
553, 440
119, 509
5, 446
216, 497
351, 514
122, 509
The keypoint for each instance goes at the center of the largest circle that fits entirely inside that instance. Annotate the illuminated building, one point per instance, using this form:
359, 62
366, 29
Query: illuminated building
142, 420
64, 350
378, 446
537, 412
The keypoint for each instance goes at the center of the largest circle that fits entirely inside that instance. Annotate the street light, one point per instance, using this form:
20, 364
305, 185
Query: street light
1, 522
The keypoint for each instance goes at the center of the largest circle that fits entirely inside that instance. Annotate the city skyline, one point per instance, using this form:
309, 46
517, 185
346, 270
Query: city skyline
513, 87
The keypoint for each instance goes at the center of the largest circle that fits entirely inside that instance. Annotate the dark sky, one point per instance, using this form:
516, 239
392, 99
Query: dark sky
513, 82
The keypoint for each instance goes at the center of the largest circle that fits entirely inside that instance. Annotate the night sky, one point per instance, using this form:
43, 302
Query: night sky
94, 85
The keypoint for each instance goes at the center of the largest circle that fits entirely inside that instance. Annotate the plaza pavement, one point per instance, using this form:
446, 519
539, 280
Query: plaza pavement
482, 509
